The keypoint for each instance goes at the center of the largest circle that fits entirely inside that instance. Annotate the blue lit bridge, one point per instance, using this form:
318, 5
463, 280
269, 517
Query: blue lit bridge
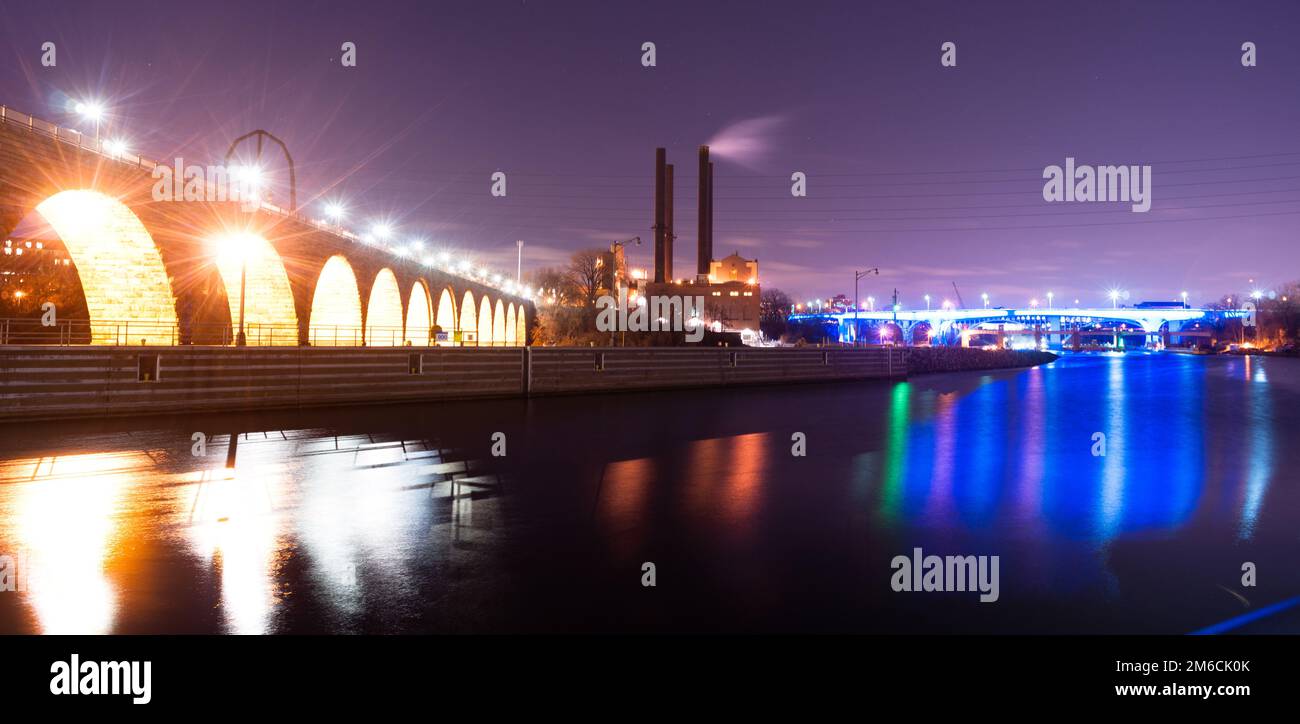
1077, 327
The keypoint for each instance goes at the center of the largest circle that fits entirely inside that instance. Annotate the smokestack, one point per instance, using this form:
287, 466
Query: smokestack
708, 254
669, 234
704, 248
659, 227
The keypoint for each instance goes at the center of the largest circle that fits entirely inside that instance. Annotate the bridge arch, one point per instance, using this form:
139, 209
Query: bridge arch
511, 337
336, 306
122, 274
445, 316
418, 316
521, 327
384, 311
269, 314
485, 322
499, 324
468, 318
890, 333
920, 332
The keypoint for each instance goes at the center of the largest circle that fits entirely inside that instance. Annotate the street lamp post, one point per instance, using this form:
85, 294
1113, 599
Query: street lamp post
985, 297
857, 276
240, 339
1049, 299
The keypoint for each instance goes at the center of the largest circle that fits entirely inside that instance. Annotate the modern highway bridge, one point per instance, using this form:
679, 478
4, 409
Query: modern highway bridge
1060, 325
163, 272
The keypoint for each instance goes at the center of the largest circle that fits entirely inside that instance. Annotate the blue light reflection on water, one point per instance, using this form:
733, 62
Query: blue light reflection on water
1024, 447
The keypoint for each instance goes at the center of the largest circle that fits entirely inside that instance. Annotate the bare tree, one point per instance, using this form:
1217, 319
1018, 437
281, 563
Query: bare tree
553, 284
774, 307
585, 273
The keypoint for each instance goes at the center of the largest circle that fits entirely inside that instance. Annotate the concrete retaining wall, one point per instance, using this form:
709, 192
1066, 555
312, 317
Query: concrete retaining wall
61, 382
45, 382
558, 370
925, 360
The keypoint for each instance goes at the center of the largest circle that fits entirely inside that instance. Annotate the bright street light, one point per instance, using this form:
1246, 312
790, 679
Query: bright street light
985, 297
91, 111
1049, 299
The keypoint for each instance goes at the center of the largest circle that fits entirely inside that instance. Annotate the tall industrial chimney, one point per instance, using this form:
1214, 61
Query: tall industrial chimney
669, 234
708, 254
704, 245
659, 226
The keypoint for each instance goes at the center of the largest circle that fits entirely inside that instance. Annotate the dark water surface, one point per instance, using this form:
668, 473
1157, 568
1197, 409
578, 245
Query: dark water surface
399, 519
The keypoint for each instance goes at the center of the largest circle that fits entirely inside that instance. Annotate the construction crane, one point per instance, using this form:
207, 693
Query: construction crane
960, 303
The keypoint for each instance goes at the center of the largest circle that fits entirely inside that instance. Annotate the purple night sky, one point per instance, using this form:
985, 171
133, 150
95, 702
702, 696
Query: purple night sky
933, 174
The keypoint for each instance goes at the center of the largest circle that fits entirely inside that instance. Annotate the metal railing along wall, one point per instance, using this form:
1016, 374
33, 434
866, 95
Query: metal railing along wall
70, 332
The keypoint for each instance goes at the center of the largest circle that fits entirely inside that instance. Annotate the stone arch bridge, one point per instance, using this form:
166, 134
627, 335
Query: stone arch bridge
169, 272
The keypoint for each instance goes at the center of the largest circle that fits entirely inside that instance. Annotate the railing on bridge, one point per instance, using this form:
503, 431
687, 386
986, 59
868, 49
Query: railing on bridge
70, 332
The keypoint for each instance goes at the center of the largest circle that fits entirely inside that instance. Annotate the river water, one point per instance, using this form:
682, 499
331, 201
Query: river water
401, 519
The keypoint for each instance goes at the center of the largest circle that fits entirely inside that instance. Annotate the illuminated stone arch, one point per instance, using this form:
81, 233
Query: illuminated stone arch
128, 295
499, 324
418, 317
384, 311
521, 328
468, 319
446, 315
336, 306
485, 322
269, 314
511, 338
